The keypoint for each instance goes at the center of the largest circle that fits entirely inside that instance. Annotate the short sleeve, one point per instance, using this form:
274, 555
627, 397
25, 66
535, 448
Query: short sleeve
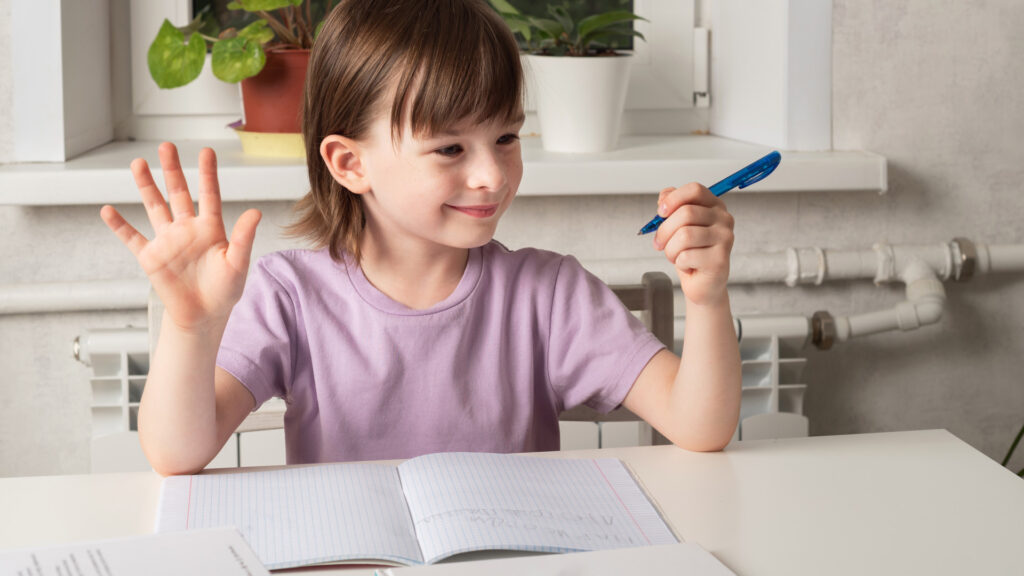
596, 347
257, 344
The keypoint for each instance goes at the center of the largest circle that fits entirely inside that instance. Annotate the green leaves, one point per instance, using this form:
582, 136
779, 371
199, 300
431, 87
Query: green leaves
172, 61
591, 26
259, 32
262, 5
560, 35
503, 7
234, 59
519, 23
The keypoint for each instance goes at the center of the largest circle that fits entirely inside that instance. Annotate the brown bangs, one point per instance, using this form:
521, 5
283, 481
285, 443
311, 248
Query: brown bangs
450, 77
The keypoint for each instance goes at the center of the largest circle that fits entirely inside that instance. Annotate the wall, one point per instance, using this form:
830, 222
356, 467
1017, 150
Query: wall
6, 91
931, 85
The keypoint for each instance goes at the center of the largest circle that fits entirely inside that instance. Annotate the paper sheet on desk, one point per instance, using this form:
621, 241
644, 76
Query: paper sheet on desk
211, 552
685, 558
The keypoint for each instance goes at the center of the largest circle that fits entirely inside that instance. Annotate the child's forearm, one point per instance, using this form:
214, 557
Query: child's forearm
178, 410
706, 391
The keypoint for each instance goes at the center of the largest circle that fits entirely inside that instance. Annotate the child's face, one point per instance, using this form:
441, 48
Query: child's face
448, 189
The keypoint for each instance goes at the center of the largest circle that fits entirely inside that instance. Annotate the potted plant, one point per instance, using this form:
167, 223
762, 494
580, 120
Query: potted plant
268, 56
579, 78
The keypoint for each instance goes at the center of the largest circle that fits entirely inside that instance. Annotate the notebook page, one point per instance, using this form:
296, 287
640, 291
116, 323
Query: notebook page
461, 502
684, 558
213, 552
299, 516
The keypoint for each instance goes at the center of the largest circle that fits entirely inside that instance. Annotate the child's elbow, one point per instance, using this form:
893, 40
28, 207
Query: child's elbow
703, 446
702, 442
164, 469
173, 463
165, 466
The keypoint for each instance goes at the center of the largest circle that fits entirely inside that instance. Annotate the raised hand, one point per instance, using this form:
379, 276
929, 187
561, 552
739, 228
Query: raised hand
195, 271
697, 237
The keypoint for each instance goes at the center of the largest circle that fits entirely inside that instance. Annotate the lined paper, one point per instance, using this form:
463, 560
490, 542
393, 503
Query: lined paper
682, 558
424, 510
213, 552
299, 516
462, 502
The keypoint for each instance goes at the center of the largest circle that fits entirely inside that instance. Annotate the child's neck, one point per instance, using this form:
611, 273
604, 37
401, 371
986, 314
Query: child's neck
416, 276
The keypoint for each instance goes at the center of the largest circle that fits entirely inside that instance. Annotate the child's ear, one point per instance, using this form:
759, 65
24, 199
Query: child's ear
343, 158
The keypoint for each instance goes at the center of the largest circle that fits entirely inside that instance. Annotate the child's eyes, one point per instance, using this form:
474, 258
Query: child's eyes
508, 138
456, 149
450, 151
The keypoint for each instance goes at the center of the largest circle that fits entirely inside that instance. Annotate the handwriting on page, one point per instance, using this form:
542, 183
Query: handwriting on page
563, 525
526, 503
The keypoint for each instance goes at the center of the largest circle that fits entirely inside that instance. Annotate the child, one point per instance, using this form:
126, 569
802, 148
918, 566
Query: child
409, 330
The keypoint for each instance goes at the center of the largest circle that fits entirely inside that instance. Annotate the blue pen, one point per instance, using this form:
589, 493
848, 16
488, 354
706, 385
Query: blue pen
755, 172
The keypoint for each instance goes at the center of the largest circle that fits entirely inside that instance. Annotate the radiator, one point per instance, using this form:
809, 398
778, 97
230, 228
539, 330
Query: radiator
119, 359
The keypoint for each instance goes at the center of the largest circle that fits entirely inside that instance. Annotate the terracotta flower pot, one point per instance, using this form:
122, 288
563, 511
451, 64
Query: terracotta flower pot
272, 99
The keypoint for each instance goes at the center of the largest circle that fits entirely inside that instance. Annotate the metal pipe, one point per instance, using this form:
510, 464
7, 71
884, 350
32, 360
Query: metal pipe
960, 259
1001, 258
813, 265
74, 296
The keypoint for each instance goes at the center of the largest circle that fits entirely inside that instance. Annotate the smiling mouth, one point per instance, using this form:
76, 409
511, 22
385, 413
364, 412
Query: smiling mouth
476, 211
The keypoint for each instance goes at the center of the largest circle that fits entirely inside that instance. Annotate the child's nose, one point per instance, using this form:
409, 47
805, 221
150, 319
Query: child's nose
486, 172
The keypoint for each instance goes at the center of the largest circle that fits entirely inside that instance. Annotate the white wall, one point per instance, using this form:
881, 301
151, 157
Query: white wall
934, 90
6, 91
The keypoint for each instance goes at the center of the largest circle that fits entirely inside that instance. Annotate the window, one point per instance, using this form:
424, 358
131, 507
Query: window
660, 78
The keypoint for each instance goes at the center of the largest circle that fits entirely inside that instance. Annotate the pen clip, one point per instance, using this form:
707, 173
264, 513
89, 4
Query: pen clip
761, 169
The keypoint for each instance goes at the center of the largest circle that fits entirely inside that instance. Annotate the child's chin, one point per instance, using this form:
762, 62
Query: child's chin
474, 241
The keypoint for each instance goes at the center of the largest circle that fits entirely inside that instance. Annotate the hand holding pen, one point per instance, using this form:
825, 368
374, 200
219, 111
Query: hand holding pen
754, 172
695, 231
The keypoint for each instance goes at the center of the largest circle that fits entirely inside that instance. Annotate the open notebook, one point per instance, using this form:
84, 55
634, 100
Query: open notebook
424, 510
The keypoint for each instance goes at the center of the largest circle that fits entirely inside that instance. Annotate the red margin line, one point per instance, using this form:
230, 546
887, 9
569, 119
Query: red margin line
626, 508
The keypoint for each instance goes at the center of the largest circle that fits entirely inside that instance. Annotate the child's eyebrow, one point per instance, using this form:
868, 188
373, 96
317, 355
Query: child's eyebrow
452, 132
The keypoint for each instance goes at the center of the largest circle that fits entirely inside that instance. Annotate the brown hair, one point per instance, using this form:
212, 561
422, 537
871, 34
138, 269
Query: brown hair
455, 59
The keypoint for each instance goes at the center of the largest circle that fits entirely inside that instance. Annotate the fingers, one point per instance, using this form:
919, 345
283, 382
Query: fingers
174, 178
696, 224
242, 236
152, 199
128, 235
677, 238
209, 186
706, 260
692, 193
687, 215
696, 238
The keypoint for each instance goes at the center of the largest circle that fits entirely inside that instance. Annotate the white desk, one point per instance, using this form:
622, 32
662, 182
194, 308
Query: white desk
896, 503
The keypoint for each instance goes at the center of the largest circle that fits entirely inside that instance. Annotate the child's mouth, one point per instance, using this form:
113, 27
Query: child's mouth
476, 211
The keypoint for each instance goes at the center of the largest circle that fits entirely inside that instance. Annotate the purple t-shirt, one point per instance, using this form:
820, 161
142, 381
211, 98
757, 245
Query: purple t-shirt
526, 334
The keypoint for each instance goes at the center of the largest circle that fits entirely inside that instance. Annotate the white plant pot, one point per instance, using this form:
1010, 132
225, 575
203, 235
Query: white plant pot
579, 100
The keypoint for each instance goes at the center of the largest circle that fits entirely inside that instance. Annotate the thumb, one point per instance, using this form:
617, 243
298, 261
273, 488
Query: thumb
242, 236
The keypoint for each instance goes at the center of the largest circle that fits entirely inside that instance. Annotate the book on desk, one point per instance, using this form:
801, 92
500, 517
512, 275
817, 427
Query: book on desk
422, 511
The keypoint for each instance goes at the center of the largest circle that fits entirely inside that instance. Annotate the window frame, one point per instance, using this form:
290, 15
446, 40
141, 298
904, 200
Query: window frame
661, 77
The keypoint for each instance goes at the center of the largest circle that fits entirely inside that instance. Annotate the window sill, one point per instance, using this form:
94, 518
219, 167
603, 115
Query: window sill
641, 165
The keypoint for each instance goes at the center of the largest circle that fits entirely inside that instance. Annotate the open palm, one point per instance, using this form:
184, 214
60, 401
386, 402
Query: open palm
197, 273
